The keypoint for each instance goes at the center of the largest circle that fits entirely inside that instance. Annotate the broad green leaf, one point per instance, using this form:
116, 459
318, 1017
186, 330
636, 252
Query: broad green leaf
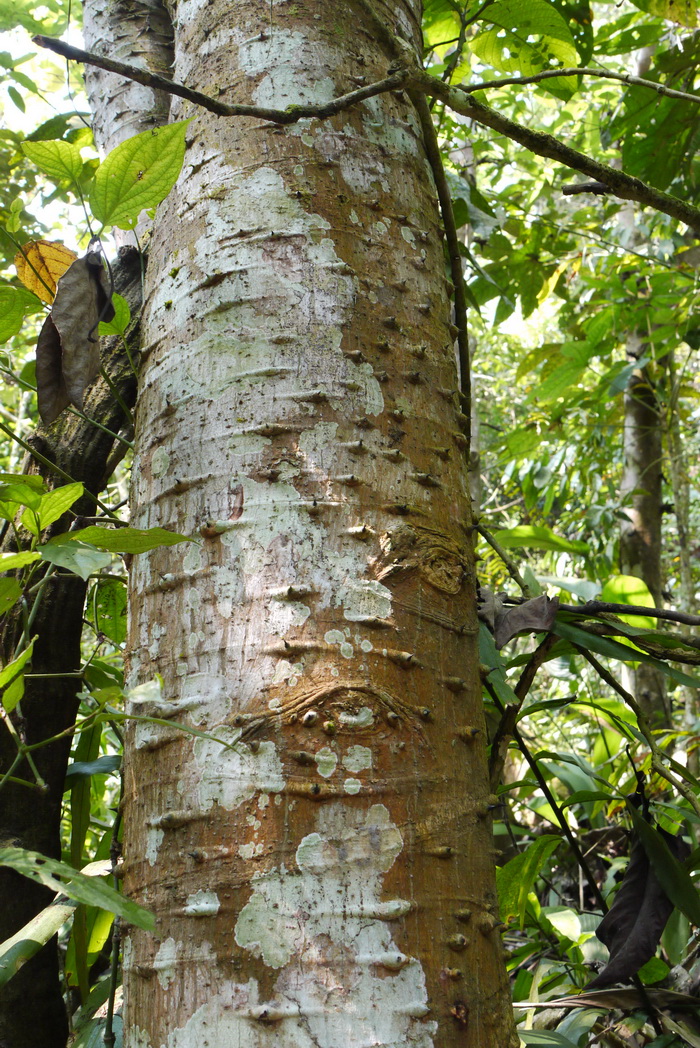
531, 536
12, 678
516, 878
684, 12
127, 540
77, 885
583, 588
627, 589
526, 36
671, 874
10, 592
22, 490
15, 304
108, 605
77, 557
490, 657
55, 503
120, 321
15, 951
100, 766
60, 160
138, 174
12, 561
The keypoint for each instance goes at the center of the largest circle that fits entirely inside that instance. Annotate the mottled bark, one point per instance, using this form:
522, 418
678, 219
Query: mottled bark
32, 1011
320, 861
640, 530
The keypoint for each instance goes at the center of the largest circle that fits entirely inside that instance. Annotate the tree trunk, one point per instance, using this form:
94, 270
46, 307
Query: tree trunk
32, 1010
319, 856
640, 531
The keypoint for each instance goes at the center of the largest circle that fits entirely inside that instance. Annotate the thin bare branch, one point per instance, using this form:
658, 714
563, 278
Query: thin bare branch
290, 115
605, 74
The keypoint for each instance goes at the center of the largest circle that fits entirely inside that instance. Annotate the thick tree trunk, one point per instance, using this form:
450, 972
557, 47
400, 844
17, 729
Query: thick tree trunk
319, 857
640, 532
32, 1010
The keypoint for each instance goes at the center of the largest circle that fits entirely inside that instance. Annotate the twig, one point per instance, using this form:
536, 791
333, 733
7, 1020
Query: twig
508, 561
622, 185
595, 607
626, 78
290, 115
432, 149
657, 757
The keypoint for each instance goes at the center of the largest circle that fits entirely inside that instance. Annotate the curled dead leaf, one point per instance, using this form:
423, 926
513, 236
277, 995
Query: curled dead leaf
68, 349
40, 264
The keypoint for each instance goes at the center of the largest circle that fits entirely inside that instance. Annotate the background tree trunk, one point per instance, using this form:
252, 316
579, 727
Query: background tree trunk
320, 860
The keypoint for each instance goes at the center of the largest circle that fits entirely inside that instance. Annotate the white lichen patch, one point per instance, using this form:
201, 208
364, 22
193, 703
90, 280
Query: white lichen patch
154, 839
202, 904
352, 786
364, 718
160, 462
326, 761
327, 916
357, 759
230, 775
334, 637
165, 961
365, 598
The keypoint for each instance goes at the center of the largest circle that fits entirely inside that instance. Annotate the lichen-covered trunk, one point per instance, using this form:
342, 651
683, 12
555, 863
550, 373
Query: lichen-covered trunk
319, 854
640, 530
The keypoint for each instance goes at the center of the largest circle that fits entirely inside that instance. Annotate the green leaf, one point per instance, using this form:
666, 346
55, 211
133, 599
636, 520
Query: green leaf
55, 503
527, 36
531, 536
125, 540
545, 1039
78, 557
671, 874
614, 650
84, 769
109, 608
516, 878
120, 321
17, 950
15, 304
138, 174
12, 678
10, 592
627, 589
60, 160
16, 98
12, 561
79, 886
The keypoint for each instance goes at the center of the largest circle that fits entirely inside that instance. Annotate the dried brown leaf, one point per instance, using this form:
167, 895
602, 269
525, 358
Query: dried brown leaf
50, 387
80, 298
632, 927
535, 615
40, 264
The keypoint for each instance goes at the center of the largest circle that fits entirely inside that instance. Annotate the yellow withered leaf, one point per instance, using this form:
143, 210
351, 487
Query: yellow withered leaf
40, 264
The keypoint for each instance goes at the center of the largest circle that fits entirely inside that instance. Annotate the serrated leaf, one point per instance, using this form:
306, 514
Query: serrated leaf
531, 536
60, 160
127, 540
40, 264
81, 559
80, 886
12, 678
137, 175
15, 304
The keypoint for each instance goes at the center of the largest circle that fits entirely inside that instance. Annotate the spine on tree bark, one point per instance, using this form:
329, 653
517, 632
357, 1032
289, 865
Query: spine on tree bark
319, 857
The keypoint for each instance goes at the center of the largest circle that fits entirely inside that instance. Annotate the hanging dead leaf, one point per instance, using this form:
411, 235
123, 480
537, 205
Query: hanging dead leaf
50, 386
40, 264
534, 615
68, 350
632, 927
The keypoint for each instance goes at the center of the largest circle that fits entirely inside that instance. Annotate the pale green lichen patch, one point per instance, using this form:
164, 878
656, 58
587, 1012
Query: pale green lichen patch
357, 759
202, 904
326, 761
364, 718
230, 775
352, 786
330, 908
160, 462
